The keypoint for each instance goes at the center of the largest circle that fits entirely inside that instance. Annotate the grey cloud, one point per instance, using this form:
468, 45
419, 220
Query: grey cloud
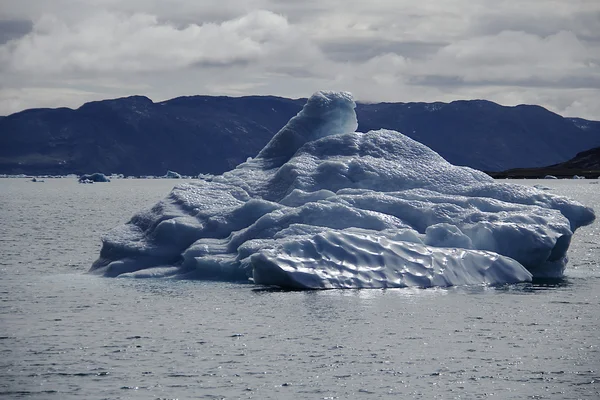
14, 29
220, 64
361, 50
569, 82
545, 52
586, 25
298, 11
295, 72
109, 42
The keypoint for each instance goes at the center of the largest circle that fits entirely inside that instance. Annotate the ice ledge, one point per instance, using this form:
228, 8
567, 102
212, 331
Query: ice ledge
344, 260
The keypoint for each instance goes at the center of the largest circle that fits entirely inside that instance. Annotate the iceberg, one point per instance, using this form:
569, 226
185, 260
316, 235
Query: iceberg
95, 177
172, 175
323, 206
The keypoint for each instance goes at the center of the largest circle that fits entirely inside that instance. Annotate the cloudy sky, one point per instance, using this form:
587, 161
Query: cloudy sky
57, 53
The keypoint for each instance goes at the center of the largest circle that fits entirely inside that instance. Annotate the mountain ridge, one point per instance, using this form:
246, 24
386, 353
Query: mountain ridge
585, 164
210, 134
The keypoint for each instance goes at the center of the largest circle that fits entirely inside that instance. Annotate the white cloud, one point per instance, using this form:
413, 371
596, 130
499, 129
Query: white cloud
114, 42
527, 51
511, 56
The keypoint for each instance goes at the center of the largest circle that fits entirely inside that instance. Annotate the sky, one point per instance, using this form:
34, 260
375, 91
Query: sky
62, 53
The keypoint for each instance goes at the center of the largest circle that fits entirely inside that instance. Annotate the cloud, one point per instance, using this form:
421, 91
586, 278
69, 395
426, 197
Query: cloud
528, 51
13, 100
517, 57
13, 29
541, 18
138, 43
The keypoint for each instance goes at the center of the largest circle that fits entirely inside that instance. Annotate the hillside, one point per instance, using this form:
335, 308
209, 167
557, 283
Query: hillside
485, 135
585, 164
205, 134
135, 136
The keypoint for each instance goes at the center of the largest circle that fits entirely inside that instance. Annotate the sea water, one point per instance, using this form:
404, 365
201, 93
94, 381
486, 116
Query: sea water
65, 334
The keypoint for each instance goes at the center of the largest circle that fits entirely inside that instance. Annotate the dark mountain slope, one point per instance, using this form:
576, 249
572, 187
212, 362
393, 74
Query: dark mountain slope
589, 160
135, 136
190, 135
485, 135
585, 164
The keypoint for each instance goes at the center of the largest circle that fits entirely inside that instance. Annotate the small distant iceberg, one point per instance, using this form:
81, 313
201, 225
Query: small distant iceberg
550, 177
323, 206
92, 178
172, 175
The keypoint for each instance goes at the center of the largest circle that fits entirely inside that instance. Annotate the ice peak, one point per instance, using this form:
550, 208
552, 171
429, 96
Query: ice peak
326, 113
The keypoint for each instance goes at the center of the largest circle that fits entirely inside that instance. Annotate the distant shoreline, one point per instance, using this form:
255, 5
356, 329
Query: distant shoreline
541, 173
519, 173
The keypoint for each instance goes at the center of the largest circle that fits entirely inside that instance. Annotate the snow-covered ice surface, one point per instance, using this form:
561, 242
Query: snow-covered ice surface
323, 206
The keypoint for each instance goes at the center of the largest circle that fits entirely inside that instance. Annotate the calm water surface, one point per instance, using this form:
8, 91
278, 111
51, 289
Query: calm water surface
68, 335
